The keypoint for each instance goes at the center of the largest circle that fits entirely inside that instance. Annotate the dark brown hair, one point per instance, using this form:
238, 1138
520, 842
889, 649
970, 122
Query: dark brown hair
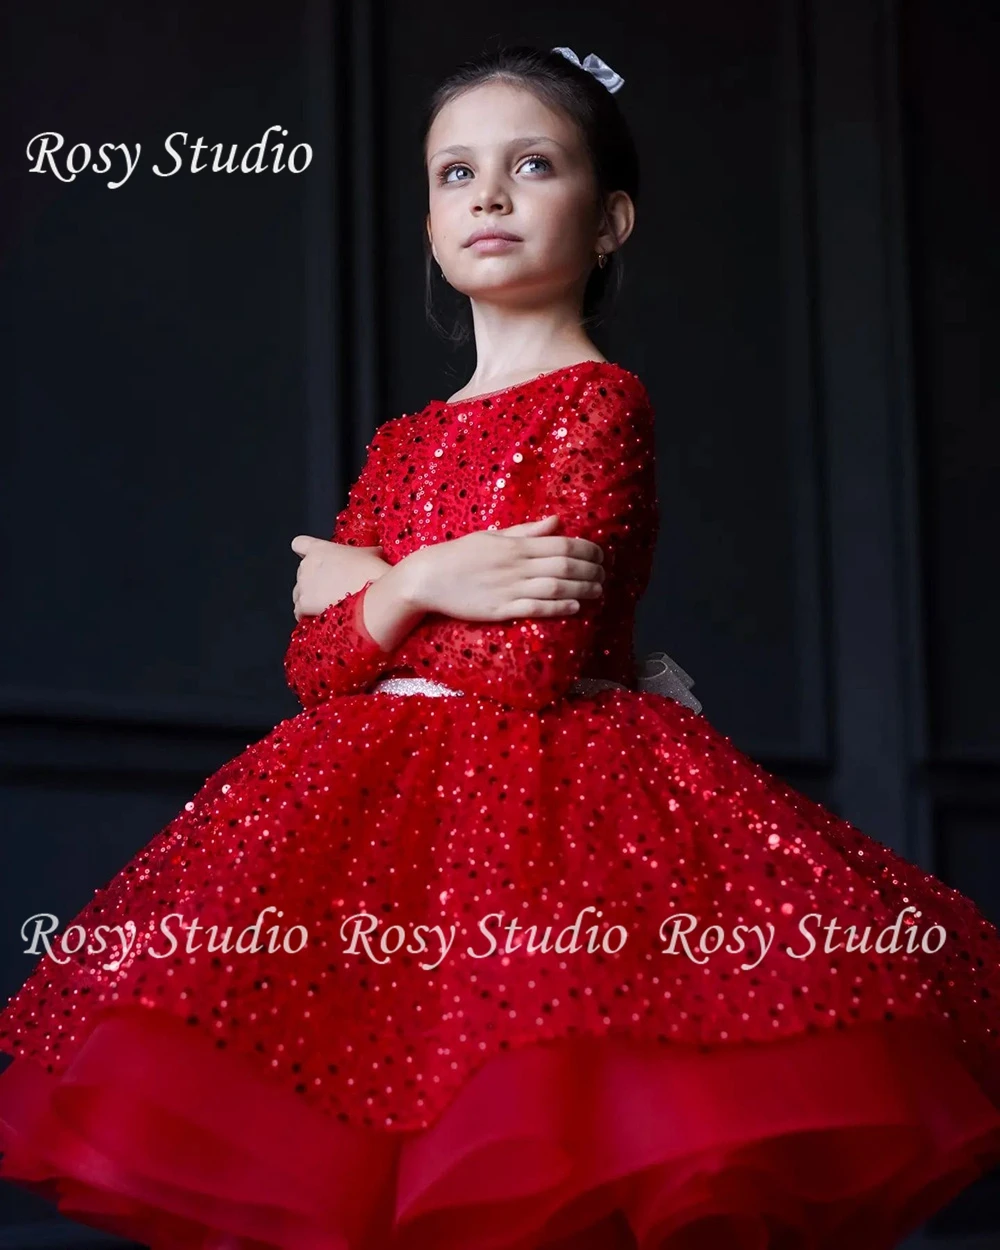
560, 84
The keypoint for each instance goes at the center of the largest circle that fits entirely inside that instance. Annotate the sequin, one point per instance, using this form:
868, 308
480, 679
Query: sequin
534, 798
583, 448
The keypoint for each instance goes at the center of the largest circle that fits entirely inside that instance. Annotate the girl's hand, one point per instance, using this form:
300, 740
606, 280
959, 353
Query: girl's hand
328, 571
497, 575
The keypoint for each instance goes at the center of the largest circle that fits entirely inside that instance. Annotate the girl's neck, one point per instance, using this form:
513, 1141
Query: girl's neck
514, 344
482, 383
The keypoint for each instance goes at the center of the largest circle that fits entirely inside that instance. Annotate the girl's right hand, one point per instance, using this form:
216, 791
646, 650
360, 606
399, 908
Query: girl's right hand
497, 575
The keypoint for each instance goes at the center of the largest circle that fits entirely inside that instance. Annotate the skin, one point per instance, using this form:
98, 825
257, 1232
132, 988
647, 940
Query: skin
527, 306
527, 301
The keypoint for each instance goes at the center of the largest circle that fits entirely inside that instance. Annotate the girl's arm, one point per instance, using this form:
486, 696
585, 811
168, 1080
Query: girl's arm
601, 482
333, 653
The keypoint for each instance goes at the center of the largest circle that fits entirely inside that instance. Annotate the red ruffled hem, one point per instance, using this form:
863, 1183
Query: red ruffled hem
851, 1136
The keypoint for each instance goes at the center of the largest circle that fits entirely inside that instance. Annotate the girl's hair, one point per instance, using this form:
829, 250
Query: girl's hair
560, 84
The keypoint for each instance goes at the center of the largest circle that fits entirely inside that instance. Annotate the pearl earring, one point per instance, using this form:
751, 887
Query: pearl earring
602, 259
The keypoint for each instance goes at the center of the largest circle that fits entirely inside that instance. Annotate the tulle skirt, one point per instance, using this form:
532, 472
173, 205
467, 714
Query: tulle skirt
843, 1137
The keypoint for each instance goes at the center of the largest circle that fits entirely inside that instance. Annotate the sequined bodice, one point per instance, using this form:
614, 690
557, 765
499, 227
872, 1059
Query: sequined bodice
576, 442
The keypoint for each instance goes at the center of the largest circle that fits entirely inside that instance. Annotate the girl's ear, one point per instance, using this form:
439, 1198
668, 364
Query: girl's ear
619, 220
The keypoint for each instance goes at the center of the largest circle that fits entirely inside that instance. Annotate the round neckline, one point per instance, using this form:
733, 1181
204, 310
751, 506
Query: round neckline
539, 377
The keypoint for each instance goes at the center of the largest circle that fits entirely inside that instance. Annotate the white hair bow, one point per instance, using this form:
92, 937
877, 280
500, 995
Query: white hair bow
593, 64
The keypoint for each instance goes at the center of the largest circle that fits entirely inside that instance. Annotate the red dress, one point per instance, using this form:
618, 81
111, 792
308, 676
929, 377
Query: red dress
541, 963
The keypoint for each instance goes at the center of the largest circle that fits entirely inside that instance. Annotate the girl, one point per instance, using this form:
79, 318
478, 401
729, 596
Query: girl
487, 947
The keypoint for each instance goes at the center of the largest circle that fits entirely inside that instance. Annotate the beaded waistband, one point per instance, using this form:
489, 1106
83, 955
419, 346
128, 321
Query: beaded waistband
424, 685
658, 674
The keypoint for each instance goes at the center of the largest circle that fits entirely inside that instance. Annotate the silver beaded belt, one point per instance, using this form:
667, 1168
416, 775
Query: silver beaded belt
424, 685
657, 674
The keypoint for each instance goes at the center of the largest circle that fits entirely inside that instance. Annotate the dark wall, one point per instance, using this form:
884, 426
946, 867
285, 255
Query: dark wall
194, 364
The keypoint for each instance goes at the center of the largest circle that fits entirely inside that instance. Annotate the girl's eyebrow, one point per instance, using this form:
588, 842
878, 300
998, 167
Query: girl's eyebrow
458, 148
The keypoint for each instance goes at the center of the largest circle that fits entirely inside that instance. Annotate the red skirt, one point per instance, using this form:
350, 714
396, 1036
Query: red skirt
850, 1136
617, 1098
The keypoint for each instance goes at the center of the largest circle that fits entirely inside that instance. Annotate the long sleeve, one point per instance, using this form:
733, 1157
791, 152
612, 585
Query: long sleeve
333, 653
599, 478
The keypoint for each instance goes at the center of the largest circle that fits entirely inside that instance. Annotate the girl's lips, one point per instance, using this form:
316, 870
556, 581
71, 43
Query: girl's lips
493, 245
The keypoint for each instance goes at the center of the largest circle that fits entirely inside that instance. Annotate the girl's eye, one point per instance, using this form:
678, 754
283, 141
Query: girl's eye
445, 174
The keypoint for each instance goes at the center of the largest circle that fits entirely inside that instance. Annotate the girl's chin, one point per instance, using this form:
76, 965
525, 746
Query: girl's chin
497, 283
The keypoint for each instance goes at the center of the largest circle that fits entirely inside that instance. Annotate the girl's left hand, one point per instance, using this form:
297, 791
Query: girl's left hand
328, 571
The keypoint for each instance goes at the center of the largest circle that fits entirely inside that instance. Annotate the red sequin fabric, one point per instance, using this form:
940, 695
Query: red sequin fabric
580, 446
448, 890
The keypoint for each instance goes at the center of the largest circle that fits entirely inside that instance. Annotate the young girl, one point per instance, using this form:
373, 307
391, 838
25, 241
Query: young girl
488, 947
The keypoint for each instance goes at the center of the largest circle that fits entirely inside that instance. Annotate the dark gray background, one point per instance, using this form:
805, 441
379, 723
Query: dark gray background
193, 366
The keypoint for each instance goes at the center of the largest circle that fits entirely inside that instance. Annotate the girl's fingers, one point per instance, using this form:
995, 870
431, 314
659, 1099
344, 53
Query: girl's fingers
542, 607
566, 568
557, 545
561, 588
528, 527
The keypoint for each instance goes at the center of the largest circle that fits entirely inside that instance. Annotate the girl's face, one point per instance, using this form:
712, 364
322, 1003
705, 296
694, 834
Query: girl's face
500, 159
